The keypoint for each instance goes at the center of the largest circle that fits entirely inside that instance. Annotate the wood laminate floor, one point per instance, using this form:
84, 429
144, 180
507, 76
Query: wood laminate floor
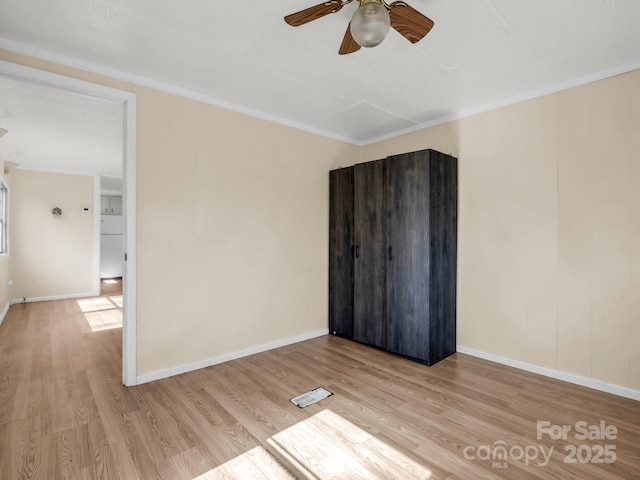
65, 414
111, 286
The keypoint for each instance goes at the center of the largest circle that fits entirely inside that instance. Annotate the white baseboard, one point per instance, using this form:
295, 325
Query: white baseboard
4, 312
52, 297
169, 372
557, 374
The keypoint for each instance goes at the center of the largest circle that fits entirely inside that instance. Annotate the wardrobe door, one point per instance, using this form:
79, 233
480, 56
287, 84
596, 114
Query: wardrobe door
408, 293
340, 252
443, 226
369, 265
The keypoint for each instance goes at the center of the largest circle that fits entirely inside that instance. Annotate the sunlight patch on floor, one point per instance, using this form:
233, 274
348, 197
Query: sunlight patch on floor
117, 299
102, 313
256, 463
99, 321
95, 304
321, 447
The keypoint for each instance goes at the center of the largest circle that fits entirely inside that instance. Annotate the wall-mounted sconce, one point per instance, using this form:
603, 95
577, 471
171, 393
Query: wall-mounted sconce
8, 166
56, 212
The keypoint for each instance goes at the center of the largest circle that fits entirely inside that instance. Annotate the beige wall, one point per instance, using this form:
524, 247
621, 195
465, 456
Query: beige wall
232, 230
232, 227
549, 228
50, 257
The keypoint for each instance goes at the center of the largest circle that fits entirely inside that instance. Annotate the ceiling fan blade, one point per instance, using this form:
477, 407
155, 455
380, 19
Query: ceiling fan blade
409, 22
349, 45
313, 13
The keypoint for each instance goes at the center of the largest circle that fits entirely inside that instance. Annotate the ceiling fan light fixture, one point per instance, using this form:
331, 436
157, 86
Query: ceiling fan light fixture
370, 24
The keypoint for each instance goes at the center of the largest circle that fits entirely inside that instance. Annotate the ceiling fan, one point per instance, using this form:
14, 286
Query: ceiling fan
370, 23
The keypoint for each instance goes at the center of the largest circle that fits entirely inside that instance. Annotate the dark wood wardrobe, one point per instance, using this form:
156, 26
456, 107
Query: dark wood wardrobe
392, 254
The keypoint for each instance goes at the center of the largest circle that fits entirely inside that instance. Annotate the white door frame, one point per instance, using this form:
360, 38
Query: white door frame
128, 101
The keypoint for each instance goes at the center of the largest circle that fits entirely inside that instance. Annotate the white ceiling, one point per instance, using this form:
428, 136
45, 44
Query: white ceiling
242, 55
51, 128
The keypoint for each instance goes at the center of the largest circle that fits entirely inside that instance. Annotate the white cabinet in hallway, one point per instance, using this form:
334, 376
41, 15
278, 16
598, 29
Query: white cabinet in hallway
111, 246
111, 204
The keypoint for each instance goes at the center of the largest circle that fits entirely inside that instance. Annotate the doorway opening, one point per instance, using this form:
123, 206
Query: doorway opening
127, 102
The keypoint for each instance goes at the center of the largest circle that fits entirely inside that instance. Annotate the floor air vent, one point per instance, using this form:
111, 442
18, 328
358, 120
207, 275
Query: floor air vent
311, 397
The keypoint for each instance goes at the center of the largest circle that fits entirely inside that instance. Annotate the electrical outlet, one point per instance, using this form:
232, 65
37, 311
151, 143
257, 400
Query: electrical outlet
10, 283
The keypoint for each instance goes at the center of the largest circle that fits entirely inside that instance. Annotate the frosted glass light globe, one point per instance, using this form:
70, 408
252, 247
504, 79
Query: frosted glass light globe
370, 24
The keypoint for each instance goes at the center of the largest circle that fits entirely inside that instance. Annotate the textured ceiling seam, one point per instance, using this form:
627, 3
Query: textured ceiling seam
404, 90
493, 11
